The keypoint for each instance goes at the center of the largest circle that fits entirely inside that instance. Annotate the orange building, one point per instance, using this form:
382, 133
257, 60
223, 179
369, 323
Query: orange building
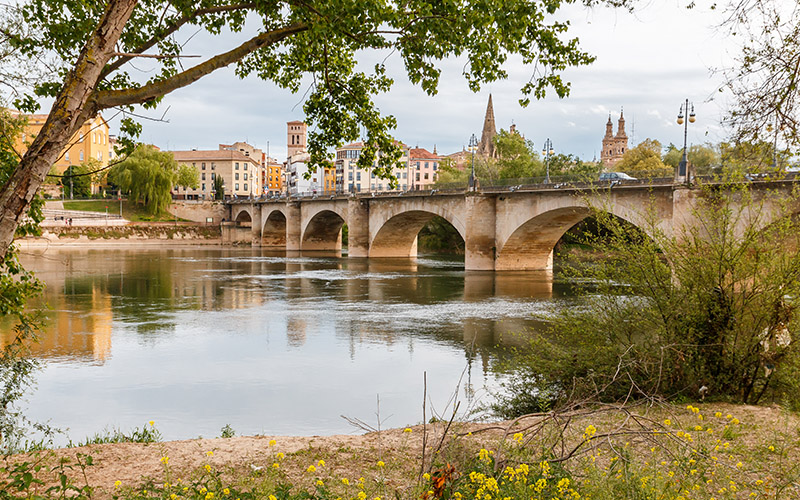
91, 141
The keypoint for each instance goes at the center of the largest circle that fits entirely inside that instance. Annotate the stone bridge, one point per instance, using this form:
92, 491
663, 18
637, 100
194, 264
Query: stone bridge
508, 230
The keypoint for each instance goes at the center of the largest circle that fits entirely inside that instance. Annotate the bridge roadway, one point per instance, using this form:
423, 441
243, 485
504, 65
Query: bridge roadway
510, 229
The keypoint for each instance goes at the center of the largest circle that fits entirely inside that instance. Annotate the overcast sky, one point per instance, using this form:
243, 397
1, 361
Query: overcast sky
648, 63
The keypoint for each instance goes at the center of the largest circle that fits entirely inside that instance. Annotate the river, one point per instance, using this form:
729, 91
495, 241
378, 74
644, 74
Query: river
199, 338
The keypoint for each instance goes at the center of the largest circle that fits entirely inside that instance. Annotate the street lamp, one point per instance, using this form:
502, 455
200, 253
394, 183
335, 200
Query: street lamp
683, 167
473, 143
547, 152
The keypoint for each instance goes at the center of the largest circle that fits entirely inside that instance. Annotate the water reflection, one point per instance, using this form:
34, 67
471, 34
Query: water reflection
279, 335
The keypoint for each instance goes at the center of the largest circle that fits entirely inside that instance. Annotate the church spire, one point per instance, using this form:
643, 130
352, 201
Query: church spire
486, 146
609, 128
621, 127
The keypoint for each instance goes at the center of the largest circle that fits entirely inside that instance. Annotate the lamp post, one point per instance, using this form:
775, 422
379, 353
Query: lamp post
547, 152
473, 143
683, 166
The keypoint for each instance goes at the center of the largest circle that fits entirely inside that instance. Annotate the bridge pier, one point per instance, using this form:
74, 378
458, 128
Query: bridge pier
480, 247
257, 225
358, 228
293, 226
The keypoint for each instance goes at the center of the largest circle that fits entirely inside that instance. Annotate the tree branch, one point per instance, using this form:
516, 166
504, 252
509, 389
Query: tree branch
124, 58
110, 98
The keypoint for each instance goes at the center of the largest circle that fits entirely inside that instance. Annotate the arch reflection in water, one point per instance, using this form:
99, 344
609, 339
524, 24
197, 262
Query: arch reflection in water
274, 337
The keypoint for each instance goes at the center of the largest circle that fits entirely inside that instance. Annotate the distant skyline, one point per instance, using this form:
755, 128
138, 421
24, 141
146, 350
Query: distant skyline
647, 63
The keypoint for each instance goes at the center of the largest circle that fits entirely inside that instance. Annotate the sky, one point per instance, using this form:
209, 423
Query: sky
648, 63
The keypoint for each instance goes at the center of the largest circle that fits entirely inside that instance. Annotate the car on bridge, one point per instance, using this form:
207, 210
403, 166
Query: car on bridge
616, 176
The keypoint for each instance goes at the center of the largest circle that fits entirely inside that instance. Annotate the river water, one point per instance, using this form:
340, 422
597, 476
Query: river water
196, 338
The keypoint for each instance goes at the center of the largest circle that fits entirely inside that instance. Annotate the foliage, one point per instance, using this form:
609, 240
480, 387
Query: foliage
644, 156
76, 182
704, 157
16, 286
227, 431
147, 175
570, 165
147, 434
763, 83
25, 479
439, 236
516, 156
710, 306
752, 157
187, 177
219, 188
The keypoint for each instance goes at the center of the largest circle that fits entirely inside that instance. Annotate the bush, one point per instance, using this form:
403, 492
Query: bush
707, 310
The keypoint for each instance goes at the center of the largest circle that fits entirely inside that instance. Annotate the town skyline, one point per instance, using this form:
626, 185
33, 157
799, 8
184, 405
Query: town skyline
631, 73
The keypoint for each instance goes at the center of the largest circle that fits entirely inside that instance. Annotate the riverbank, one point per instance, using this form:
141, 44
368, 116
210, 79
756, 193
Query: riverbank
131, 234
694, 451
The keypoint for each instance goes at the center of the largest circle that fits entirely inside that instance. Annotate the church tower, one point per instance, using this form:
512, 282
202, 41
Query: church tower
486, 146
614, 146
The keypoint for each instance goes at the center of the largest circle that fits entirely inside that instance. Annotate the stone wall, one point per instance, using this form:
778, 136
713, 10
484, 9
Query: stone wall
199, 211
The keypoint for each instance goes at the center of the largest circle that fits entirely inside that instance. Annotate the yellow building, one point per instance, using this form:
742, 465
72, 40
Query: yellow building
91, 141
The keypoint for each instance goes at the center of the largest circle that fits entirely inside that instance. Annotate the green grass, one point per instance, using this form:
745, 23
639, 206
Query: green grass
130, 211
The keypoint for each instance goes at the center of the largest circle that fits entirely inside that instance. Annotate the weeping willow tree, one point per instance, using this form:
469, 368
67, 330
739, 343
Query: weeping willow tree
147, 176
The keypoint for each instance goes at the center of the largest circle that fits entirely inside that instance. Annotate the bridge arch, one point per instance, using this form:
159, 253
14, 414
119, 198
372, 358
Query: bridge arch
530, 245
397, 236
323, 231
273, 234
243, 217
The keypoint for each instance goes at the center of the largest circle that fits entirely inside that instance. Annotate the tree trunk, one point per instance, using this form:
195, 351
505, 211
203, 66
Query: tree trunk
72, 108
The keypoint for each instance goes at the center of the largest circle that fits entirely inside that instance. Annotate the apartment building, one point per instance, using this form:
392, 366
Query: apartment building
351, 179
321, 181
424, 167
240, 173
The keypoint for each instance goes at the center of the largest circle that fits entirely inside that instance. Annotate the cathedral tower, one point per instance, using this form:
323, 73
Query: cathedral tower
486, 146
614, 146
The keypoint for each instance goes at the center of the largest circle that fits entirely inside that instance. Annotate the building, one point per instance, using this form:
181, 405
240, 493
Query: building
92, 144
351, 179
240, 173
299, 181
296, 137
272, 180
424, 167
614, 146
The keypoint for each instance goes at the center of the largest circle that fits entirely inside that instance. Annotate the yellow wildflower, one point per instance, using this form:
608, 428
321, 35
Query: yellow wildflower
276, 466
345, 481
320, 483
771, 448
407, 430
362, 495
667, 422
380, 463
207, 468
426, 476
164, 460
518, 437
311, 468
152, 423
272, 497
280, 456
117, 484
210, 453
209, 495
226, 491
272, 442
321, 463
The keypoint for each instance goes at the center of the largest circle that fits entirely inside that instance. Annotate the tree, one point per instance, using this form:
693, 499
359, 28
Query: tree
703, 157
148, 175
219, 188
764, 83
76, 182
568, 165
93, 42
645, 156
187, 176
516, 156
711, 305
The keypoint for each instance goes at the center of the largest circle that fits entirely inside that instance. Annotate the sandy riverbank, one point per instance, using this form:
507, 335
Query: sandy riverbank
126, 236
761, 439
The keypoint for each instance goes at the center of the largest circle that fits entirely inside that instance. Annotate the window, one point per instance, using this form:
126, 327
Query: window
204, 186
236, 186
245, 166
405, 187
245, 174
245, 186
81, 155
426, 164
81, 137
426, 176
358, 187
236, 176
237, 165
213, 176
203, 176
417, 165
417, 175
435, 165
100, 155
373, 175
350, 176
358, 177
405, 175
66, 155
203, 165
213, 167
94, 138
372, 186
